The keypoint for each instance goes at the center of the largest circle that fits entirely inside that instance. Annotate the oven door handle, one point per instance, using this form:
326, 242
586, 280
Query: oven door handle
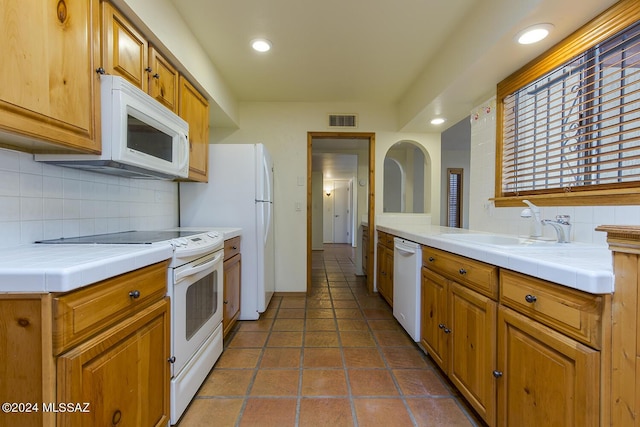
198, 268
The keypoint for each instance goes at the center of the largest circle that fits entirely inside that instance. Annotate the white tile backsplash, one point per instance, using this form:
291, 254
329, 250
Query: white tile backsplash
484, 216
40, 201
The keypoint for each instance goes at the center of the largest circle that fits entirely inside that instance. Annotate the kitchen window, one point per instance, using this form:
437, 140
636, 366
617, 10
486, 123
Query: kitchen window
569, 122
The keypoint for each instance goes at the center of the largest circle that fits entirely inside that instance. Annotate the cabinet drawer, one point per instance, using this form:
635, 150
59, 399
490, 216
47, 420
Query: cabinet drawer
475, 274
574, 313
385, 239
80, 314
231, 247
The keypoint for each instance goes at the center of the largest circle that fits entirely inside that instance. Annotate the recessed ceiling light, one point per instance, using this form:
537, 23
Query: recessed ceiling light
534, 33
437, 121
261, 45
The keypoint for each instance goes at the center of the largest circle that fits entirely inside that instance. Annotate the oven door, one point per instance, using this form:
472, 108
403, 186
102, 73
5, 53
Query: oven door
196, 306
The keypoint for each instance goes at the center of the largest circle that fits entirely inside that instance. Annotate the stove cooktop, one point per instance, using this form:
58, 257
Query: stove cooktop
125, 237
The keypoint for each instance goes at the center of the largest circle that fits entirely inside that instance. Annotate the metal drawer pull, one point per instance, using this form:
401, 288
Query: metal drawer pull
226, 301
530, 298
172, 359
234, 247
441, 326
431, 259
497, 374
134, 294
447, 330
462, 271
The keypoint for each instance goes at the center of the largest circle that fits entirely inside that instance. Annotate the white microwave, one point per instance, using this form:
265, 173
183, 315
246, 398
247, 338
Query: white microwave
141, 138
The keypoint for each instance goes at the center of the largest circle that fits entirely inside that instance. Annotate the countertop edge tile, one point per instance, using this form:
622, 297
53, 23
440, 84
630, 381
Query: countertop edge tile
63, 268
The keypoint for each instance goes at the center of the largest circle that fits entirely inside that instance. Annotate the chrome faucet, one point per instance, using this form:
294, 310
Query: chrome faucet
562, 227
533, 212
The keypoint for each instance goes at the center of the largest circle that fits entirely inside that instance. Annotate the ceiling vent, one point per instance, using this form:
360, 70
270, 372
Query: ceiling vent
343, 120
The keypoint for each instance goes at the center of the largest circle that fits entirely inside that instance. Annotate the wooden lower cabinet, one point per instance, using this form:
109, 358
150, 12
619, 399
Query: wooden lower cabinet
232, 271
365, 249
544, 377
121, 373
434, 317
458, 331
232, 283
472, 320
385, 273
89, 346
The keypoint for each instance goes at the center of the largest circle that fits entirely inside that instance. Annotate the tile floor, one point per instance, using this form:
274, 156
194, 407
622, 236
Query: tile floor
336, 357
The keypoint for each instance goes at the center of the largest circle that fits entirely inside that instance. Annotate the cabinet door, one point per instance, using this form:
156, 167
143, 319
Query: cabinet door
125, 49
546, 378
163, 84
473, 348
194, 108
434, 317
383, 272
50, 93
122, 373
231, 292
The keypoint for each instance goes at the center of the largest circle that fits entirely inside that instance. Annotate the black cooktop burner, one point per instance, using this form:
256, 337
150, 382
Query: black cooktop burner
125, 237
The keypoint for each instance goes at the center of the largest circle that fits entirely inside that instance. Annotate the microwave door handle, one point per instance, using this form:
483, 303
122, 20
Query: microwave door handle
198, 268
185, 155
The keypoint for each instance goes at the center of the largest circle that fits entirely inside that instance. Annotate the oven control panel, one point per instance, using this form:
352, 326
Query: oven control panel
197, 245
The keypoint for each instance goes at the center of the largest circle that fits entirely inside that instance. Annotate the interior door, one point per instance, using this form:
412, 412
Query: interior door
341, 212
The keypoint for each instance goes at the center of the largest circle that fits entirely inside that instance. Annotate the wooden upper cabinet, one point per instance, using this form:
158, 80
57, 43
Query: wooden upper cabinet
50, 93
163, 82
194, 108
124, 49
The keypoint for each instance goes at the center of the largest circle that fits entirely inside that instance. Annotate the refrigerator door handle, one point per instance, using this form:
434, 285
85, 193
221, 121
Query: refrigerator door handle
267, 181
268, 229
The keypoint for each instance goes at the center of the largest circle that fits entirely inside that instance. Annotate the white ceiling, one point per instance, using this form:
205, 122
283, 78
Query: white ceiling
427, 57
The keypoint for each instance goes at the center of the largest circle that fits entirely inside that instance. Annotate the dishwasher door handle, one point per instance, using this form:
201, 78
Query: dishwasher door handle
405, 250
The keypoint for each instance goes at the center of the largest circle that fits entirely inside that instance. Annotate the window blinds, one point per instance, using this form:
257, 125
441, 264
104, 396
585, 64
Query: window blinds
577, 126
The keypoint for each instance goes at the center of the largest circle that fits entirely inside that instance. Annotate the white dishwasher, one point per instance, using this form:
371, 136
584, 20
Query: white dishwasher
407, 265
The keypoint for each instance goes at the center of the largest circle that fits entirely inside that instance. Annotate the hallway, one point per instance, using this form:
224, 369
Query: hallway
336, 357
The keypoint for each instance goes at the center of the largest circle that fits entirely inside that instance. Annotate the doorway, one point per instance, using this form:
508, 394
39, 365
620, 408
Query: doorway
369, 140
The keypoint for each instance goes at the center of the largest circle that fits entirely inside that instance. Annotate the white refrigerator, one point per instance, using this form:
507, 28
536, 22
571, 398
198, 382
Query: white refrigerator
239, 194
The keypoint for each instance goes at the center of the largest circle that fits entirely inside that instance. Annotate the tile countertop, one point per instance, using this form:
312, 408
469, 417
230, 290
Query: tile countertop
580, 266
62, 268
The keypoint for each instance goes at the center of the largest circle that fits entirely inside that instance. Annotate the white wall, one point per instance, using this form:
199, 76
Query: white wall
484, 216
40, 201
283, 128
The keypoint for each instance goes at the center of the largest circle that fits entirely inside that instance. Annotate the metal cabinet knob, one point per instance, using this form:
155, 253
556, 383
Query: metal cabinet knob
148, 69
462, 271
134, 294
226, 301
441, 326
447, 330
431, 259
530, 298
172, 359
497, 374
100, 70
156, 76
